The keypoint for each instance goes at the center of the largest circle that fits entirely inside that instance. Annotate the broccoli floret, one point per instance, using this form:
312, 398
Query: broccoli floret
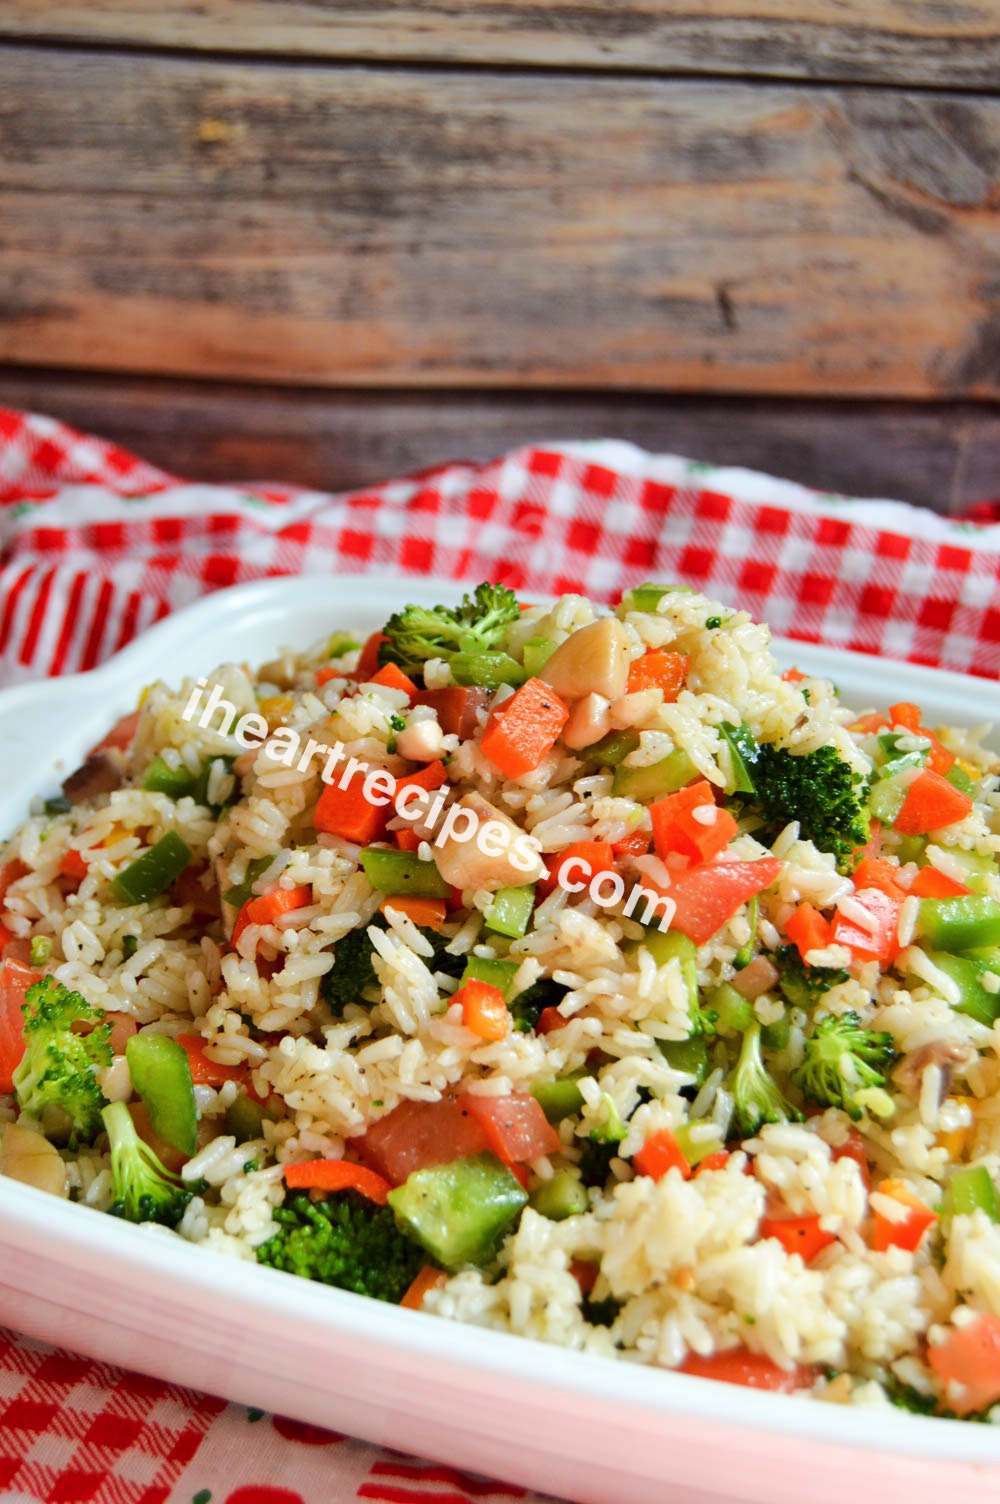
804, 985
527, 1007
144, 1190
819, 790
57, 1069
600, 1312
346, 1241
756, 1096
595, 1161
353, 970
478, 625
843, 1058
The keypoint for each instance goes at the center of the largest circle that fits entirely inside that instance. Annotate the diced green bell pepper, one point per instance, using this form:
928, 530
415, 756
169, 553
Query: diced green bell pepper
161, 1073
537, 652
560, 1098
967, 973
244, 1117
161, 778
612, 749
402, 873
671, 945
493, 972
460, 1211
959, 779
487, 670
647, 597
734, 1013
510, 912
970, 1190
563, 1196
153, 872
57, 805
698, 1146
241, 893
199, 792
957, 924
688, 1055
673, 772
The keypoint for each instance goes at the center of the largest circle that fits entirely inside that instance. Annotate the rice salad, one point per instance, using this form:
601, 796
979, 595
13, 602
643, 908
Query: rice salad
694, 1063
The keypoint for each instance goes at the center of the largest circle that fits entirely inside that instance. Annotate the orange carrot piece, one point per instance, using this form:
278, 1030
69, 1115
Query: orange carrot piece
656, 670
878, 872
580, 861
392, 677
430, 777
337, 1175
368, 662
931, 803
677, 823
524, 728
270, 908
205, 1072
908, 1231
346, 812
428, 913
407, 839
484, 1009
801, 1235
428, 1279
910, 717
931, 882
808, 930
661, 1152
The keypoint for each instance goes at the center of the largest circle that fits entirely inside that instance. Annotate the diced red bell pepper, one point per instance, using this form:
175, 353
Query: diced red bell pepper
635, 844
931, 803
521, 731
931, 882
801, 1235
808, 930
73, 865
549, 1020
484, 1009
206, 1072
706, 897
878, 872
880, 941
579, 862
515, 1126
337, 1175
368, 661
854, 1148
660, 1153
717, 1160
270, 908
691, 823
908, 1231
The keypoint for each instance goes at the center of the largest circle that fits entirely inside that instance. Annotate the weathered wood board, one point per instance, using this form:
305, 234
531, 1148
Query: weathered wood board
367, 226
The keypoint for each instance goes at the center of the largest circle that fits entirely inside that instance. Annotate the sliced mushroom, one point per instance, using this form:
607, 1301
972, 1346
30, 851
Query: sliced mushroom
909, 1073
594, 659
484, 859
100, 774
26, 1156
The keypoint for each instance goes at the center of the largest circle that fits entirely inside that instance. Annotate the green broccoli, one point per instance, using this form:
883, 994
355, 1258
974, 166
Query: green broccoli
602, 1145
843, 1058
144, 1190
819, 790
756, 1096
347, 1241
803, 985
353, 971
527, 1007
476, 628
57, 1069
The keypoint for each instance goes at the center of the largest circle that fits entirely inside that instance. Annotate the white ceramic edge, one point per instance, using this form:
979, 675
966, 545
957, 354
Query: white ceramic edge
97, 1260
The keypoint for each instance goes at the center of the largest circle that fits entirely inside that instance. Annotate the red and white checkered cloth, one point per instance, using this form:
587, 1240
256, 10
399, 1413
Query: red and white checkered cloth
95, 545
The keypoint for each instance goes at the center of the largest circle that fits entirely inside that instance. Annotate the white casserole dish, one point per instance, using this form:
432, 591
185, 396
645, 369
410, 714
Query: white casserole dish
579, 1427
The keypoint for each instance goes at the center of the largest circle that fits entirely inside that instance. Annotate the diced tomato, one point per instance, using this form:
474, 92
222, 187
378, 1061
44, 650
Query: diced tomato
909, 1230
428, 913
968, 1362
521, 731
392, 677
337, 1175
931, 803
878, 872
484, 1009
206, 1072
15, 979
73, 865
931, 882
428, 1279
854, 1148
808, 930
578, 863
691, 823
660, 1153
705, 897
636, 844
717, 1160
416, 1135
270, 908
368, 661
736, 1365
878, 941
515, 1126
120, 736
6, 938
656, 670
549, 1020
801, 1235
457, 708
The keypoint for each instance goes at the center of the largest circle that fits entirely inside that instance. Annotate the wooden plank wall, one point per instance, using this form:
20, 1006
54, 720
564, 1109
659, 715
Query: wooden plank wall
326, 242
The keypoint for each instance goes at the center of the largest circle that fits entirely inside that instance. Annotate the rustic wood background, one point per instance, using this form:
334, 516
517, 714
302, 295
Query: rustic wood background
324, 241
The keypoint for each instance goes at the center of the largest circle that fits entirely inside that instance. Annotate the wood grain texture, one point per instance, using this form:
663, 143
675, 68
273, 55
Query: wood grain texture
945, 457
360, 226
901, 41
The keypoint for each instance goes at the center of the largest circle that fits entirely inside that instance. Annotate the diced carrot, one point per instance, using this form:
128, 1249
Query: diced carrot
347, 813
808, 930
325, 674
428, 913
521, 731
801, 1235
656, 670
337, 1175
427, 1280
270, 908
931, 882
878, 872
736, 1365
931, 803
691, 823
578, 863
636, 844
877, 940
968, 1362
717, 1160
430, 777
867, 725
910, 1228
909, 716
661, 1152
793, 676
73, 865
549, 1020
407, 838
206, 1072
457, 708
368, 661
392, 677
484, 1009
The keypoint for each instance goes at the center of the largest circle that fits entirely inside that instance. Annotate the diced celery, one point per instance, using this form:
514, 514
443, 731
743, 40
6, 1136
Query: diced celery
777, 1034
911, 849
160, 1072
161, 778
537, 652
494, 973
647, 597
978, 867
244, 1117
886, 799
487, 670
673, 772
153, 872
959, 779
402, 873
688, 1055
970, 1190
341, 643
734, 1013
612, 749
560, 1098
563, 1196
510, 912
957, 924
742, 754
696, 1146
967, 973
460, 1211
